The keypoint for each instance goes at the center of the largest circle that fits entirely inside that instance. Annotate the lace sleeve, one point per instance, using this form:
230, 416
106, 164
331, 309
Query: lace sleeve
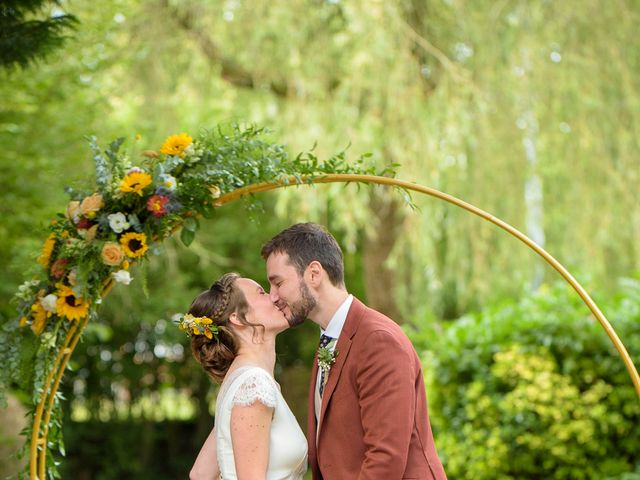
257, 386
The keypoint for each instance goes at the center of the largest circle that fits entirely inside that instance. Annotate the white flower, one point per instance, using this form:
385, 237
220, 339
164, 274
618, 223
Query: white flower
169, 182
118, 222
49, 302
134, 169
27, 286
189, 150
122, 276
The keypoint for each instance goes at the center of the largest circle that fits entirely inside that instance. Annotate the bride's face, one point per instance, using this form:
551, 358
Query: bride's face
261, 310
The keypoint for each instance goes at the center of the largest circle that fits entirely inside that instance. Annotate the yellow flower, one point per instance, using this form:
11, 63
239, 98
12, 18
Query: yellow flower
47, 250
23, 322
125, 265
208, 334
40, 316
134, 244
215, 191
70, 306
176, 144
135, 182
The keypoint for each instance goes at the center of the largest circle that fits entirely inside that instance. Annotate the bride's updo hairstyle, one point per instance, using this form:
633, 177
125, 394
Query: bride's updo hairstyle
218, 303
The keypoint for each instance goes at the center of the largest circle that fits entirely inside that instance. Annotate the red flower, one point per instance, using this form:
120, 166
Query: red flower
84, 224
157, 205
59, 268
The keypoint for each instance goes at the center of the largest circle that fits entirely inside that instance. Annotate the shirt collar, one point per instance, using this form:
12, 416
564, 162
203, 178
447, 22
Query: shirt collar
337, 321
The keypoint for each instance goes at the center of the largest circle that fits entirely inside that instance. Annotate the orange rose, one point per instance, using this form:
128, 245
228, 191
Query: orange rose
112, 254
91, 204
73, 211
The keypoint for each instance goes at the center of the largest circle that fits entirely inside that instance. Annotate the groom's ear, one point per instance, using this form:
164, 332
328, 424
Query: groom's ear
314, 273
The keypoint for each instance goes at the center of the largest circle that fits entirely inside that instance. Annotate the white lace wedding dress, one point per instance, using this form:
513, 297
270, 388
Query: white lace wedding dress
287, 443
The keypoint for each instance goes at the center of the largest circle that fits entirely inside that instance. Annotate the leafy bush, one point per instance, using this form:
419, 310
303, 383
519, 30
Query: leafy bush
535, 389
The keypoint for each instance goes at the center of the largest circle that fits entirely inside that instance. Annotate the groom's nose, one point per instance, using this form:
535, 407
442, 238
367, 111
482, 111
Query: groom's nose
273, 295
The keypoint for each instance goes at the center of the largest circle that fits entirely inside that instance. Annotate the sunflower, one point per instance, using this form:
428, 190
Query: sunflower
47, 250
176, 144
40, 316
134, 244
69, 305
135, 182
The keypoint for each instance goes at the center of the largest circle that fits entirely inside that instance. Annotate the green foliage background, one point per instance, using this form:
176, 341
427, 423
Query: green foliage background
528, 110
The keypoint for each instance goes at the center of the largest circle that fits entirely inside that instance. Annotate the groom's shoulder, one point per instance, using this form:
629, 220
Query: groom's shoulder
373, 320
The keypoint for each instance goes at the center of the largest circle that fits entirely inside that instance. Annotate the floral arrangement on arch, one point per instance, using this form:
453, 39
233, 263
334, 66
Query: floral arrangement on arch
133, 207
137, 201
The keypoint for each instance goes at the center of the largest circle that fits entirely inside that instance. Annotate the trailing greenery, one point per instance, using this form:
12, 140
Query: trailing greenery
535, 389
123, 219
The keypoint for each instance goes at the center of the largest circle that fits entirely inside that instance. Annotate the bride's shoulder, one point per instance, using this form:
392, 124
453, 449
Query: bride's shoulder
254, 384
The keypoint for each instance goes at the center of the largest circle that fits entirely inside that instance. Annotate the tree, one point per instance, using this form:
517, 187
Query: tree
28, 32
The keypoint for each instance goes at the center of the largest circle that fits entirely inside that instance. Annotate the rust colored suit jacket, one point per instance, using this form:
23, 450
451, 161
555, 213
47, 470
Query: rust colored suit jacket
373, 420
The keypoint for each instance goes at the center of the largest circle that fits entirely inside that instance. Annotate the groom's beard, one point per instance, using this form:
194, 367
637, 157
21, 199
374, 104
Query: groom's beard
302, 308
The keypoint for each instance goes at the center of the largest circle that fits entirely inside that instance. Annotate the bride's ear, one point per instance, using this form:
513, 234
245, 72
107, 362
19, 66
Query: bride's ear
234, 320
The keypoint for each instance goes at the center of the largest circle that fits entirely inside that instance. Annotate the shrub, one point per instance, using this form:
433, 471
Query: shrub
535, 389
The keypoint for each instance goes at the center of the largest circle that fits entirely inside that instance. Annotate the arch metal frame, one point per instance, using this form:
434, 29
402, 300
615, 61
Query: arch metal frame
46, 401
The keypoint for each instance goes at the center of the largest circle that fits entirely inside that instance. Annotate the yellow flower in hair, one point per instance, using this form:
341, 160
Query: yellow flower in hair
198, 326
47, 250
69, 305
135, 182
134, 244
176, 144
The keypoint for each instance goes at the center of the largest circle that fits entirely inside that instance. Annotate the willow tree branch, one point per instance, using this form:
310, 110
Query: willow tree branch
231, 71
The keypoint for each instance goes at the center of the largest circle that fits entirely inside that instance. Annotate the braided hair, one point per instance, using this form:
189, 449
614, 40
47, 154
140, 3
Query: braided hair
218, 303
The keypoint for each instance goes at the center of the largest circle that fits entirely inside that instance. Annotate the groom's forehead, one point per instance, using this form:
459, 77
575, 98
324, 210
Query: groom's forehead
279, 264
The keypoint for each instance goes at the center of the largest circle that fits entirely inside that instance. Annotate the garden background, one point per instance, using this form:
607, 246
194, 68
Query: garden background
529, 110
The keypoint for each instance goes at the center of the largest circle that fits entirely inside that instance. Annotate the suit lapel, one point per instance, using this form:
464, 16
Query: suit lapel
343, 346
311, 415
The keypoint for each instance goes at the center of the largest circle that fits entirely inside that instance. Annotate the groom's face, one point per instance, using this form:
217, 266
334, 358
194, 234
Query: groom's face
288, 290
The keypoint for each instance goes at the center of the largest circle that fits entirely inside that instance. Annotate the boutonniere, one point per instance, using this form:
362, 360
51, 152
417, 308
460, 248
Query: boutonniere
327, 357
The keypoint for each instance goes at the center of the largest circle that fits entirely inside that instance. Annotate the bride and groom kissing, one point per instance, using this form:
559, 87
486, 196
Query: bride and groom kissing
367, 411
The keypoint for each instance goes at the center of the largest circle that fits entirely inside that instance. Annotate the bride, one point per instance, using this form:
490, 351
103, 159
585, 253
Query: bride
233, 327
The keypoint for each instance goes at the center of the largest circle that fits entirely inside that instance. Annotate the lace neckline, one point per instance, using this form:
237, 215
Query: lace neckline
231, 378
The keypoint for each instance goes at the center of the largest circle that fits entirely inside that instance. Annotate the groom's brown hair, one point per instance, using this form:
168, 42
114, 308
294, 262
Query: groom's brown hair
306, 242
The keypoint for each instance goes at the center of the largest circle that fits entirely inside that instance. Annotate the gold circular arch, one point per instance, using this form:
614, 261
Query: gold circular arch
39, 446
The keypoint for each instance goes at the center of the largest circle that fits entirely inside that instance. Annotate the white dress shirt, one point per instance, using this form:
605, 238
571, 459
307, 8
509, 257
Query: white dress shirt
333, 330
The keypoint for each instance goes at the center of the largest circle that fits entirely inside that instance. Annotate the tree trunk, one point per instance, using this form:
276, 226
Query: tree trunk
379, 278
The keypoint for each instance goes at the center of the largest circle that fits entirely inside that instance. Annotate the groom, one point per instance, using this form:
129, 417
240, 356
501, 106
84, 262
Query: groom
368, 410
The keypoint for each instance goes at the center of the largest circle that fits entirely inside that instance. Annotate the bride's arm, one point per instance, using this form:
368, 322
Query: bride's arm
206, 464
250, 432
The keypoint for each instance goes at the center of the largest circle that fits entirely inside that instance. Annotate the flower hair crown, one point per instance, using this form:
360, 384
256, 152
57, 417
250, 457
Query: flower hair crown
198, 326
